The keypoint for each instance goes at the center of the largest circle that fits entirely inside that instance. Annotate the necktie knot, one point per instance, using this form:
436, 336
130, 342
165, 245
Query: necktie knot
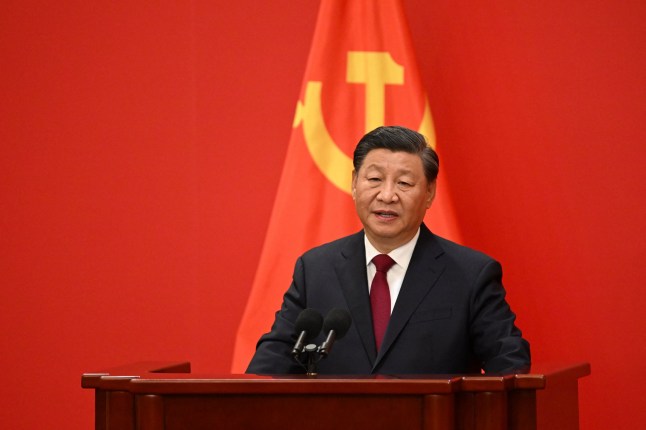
383, 262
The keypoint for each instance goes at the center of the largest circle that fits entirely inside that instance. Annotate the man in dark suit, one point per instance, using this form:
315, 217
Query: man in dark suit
448, 312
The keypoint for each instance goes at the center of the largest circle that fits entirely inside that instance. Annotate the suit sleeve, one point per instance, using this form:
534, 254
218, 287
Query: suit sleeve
273, 351
496, 339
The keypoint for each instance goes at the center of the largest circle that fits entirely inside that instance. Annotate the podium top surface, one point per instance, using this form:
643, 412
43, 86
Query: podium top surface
175, 377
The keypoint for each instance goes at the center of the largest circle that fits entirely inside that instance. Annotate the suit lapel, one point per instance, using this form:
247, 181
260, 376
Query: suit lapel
351, 272
423, 271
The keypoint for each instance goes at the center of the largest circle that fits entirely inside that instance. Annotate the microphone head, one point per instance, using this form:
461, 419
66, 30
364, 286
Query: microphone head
310, 322
338, 320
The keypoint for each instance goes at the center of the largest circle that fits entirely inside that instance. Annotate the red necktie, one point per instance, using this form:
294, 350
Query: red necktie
380, 297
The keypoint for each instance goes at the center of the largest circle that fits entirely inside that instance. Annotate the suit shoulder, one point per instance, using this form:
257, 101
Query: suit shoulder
465, 264
463, 253
335, 247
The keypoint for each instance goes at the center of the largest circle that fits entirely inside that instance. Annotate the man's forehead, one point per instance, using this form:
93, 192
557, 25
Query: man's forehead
384, 158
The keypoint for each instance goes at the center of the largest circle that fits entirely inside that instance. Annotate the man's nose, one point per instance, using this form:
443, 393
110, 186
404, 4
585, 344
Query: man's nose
387, 193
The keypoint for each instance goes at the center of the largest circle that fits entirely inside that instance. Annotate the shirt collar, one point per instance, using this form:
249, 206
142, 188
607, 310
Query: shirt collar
401, 255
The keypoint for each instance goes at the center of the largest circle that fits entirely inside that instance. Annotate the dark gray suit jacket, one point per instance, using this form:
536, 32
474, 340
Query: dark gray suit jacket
451, 315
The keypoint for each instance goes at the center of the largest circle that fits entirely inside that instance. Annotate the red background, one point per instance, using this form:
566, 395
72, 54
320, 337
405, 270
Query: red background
141, 147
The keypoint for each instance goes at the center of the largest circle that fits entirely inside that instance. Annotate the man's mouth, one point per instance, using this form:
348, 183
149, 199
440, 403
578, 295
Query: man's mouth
386, 214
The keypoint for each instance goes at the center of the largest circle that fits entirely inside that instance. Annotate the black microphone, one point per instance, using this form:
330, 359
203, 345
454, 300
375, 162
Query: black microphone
308, 326
337, 323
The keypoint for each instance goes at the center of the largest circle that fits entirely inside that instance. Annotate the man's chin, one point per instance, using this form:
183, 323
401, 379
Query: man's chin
381, 233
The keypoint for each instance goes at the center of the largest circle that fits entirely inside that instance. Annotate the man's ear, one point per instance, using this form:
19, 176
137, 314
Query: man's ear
430, 193
354, 184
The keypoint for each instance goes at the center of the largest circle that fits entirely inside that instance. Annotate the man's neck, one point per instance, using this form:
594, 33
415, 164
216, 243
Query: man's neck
386, 247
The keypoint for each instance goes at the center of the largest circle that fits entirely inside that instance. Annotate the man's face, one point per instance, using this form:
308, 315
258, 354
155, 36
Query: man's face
391, 195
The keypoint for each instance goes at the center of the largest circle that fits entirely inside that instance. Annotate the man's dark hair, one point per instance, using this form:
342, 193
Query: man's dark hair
398, 139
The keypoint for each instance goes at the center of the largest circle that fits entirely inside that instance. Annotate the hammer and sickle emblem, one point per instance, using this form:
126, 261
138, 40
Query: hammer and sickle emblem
373, 69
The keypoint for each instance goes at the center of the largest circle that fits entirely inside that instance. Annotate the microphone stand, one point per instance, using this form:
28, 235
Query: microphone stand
313, 359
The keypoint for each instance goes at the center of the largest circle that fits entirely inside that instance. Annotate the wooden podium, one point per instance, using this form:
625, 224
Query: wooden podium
155, 396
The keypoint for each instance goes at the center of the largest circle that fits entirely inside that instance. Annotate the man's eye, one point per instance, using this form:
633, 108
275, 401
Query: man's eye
404, 184
374, 179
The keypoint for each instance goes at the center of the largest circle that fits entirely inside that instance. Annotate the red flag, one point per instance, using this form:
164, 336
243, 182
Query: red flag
361, 74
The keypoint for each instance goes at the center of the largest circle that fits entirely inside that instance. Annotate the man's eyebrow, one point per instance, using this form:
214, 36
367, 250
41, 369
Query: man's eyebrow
373, 166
